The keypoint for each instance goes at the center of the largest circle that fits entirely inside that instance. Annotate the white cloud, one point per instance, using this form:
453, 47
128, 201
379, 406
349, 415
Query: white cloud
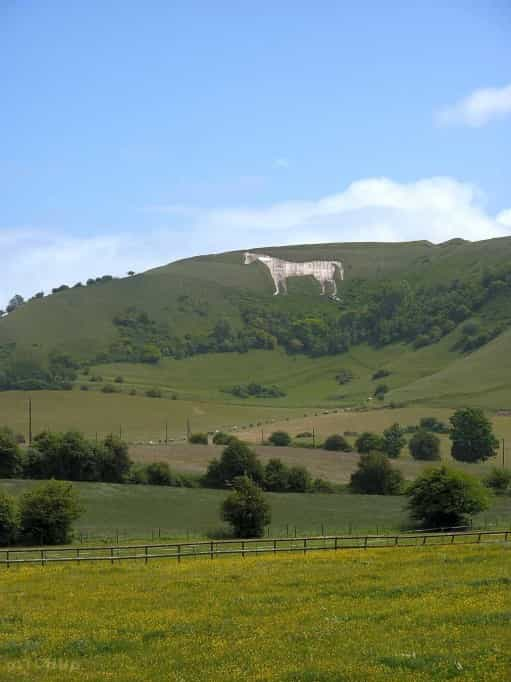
373, 209
281, 163
478, 109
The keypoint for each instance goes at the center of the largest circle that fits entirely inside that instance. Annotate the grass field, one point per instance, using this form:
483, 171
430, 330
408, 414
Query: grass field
181, 512
406, 614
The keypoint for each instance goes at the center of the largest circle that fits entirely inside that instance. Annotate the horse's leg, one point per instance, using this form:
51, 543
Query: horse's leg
283, 282
322, 282
276, 282
334, 284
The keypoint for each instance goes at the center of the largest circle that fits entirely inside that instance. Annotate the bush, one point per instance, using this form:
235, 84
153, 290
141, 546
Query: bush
380, 391
84, 387
369, 442
280, 438
119, 380
443, 497
337, 443
113, 459
47, 513
276, 476
304, 434
424, 445
153, 393
8, 520
221, 438
433, 424
472, 436
499, 480
237, 459
375, 475
344, 377
198, 438
380, 374
108, 388
299, 480
319, 485
393, 441
246, 509
10, 458
159, 473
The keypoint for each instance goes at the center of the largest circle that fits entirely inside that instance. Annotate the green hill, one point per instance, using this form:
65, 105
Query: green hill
404, 307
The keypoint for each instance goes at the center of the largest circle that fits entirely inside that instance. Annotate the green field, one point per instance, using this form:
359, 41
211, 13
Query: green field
390, 614
135, 511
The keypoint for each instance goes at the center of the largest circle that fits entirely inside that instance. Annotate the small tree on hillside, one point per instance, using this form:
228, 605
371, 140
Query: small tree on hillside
424, 445
198, 438
276, 476
472, 436
10, 460
369, 442
280, 438
47, 513
393, 441
246, 509
8, 520
300, 480
375, 475
237, 460
499, 480
337, 443
444, 497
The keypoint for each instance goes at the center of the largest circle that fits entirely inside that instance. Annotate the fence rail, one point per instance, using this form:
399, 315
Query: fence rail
214, 548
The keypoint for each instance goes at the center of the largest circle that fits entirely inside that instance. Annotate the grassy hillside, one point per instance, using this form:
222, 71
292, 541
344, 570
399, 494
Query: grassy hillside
406, 614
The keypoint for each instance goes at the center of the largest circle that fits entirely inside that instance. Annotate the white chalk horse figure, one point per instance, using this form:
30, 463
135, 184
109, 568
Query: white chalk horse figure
322, 270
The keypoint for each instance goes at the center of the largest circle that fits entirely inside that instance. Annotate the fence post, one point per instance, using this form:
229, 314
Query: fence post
304, 545
452, 539
211, 551
42, 557
365, 542
335, 543
396, 539
111, 555
9, 561
145, 555
179, 554
78, 555
274, 546
243, 549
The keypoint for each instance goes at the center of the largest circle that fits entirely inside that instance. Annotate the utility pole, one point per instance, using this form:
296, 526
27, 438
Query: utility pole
503, 454
313, 437
30, 421
188, 428
166, 433
120, 431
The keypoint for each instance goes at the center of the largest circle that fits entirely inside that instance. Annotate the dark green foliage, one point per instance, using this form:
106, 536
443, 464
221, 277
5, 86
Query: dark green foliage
276, 476
8, 520
472, 436
393, 441
153, 393
198, 438
114, 460
375, 475
237, 459
254, 390
159, 473
380, 391
246, 509
280, 438
109, 388
433, 424
319, 485
304, 434
444, 497
47, 513
344, 376
424, 446
381, 374
499, 480
150, 354
221, 438
119, 380
299, 480
10, 458
336, 442
369, 442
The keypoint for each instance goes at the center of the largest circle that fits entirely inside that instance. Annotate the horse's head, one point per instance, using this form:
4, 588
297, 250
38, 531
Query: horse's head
249, 258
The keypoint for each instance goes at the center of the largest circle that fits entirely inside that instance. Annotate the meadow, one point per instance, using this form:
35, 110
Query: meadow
138, 511
423, 614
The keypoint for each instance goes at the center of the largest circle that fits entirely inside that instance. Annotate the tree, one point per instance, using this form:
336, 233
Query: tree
299, 480
276, 476
337, 443
150, 354
499, 480
472, 436
47, 513
222, 438
8, 520
424, 445
10, 460
115, 461
393, 441
375, 475
369, 442
237, 459
159, 473
280, 438
444, 497
246, 509
380, 391
15, 302
198, 438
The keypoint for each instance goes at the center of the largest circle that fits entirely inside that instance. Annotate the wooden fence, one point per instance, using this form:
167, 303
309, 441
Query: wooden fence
214, 548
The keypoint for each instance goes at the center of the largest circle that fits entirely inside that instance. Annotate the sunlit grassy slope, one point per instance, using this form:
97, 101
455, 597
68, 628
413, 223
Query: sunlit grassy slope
407, 614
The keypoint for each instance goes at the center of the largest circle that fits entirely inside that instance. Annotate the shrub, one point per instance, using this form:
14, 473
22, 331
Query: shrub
337, 443
304, 434
198, 438
114, 462
443, 497
280, 438
159, 473
433, 424
380, 374
472, 436
47, 513
424, 445
133, 391
499, 480
344, 376
237, 459
153, 393
375, 475
299, 480
276, 476
10, 459
369, 442
119, 380
8, 520
221, 438
246, 509
393, 441
84, 387
319, 485
108, 388
380, 391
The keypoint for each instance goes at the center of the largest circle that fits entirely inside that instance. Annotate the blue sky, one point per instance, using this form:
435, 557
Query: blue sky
136, 133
